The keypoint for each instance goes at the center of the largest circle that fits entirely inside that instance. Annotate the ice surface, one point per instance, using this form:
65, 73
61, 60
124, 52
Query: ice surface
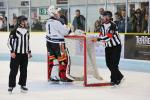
135, 87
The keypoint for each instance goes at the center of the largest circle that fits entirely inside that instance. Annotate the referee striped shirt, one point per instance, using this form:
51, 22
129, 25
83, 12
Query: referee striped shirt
109, 34
18, 41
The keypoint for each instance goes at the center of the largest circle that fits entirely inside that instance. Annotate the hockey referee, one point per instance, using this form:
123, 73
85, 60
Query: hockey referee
19, 46
110, 37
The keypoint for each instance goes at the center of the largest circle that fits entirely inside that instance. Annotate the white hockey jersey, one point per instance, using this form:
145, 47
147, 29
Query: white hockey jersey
55, 31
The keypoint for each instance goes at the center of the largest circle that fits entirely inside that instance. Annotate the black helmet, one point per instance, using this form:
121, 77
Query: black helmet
107, 13
21, 18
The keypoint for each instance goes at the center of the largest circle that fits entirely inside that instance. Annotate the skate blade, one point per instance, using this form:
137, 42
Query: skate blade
119, 85
10, 92
54, 82
23, 91
122, 81
66, 83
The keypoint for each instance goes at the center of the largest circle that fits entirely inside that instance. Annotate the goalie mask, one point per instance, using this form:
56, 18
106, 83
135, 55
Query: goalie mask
52, 11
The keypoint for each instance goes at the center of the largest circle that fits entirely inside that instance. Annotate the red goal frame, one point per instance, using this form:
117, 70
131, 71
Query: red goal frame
85, 62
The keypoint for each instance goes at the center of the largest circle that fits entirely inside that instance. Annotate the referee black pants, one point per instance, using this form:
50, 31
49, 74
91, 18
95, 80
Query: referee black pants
21, 61
112, 55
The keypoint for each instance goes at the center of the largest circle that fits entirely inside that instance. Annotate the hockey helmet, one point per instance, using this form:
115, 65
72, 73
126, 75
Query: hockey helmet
107, 13
52, 11
21, 18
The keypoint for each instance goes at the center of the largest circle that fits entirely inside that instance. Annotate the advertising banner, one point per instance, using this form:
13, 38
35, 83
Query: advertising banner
137, 47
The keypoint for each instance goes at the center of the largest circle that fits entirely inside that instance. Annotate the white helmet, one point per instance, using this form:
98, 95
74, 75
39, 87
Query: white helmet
52, 11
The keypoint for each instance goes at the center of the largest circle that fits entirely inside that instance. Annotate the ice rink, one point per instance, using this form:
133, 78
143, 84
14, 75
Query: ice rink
135, 87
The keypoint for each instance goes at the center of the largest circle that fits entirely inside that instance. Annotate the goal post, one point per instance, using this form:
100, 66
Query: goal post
87, 56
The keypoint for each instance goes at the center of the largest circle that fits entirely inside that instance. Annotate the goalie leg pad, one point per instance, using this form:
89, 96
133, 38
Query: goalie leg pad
62, 69
62, 72
55, 71
50, 65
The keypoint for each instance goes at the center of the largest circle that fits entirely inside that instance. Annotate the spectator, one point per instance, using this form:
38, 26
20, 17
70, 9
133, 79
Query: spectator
62, 17
37, 25
5, 24
43, 25
138, 15
145, 24
79, 21
1, 23
144, 15
121, 25
133, 22
101, 12
117, 18
14, 23
139, 20
97, 26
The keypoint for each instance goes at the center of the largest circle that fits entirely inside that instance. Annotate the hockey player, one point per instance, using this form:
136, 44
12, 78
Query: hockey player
55, 47
19, 46
110, 37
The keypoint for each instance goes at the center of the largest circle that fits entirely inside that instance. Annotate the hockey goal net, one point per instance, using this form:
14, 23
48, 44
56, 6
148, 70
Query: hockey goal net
82, 61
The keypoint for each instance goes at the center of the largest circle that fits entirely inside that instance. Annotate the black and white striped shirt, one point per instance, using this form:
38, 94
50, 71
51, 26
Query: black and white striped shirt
109, 34
18, 41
